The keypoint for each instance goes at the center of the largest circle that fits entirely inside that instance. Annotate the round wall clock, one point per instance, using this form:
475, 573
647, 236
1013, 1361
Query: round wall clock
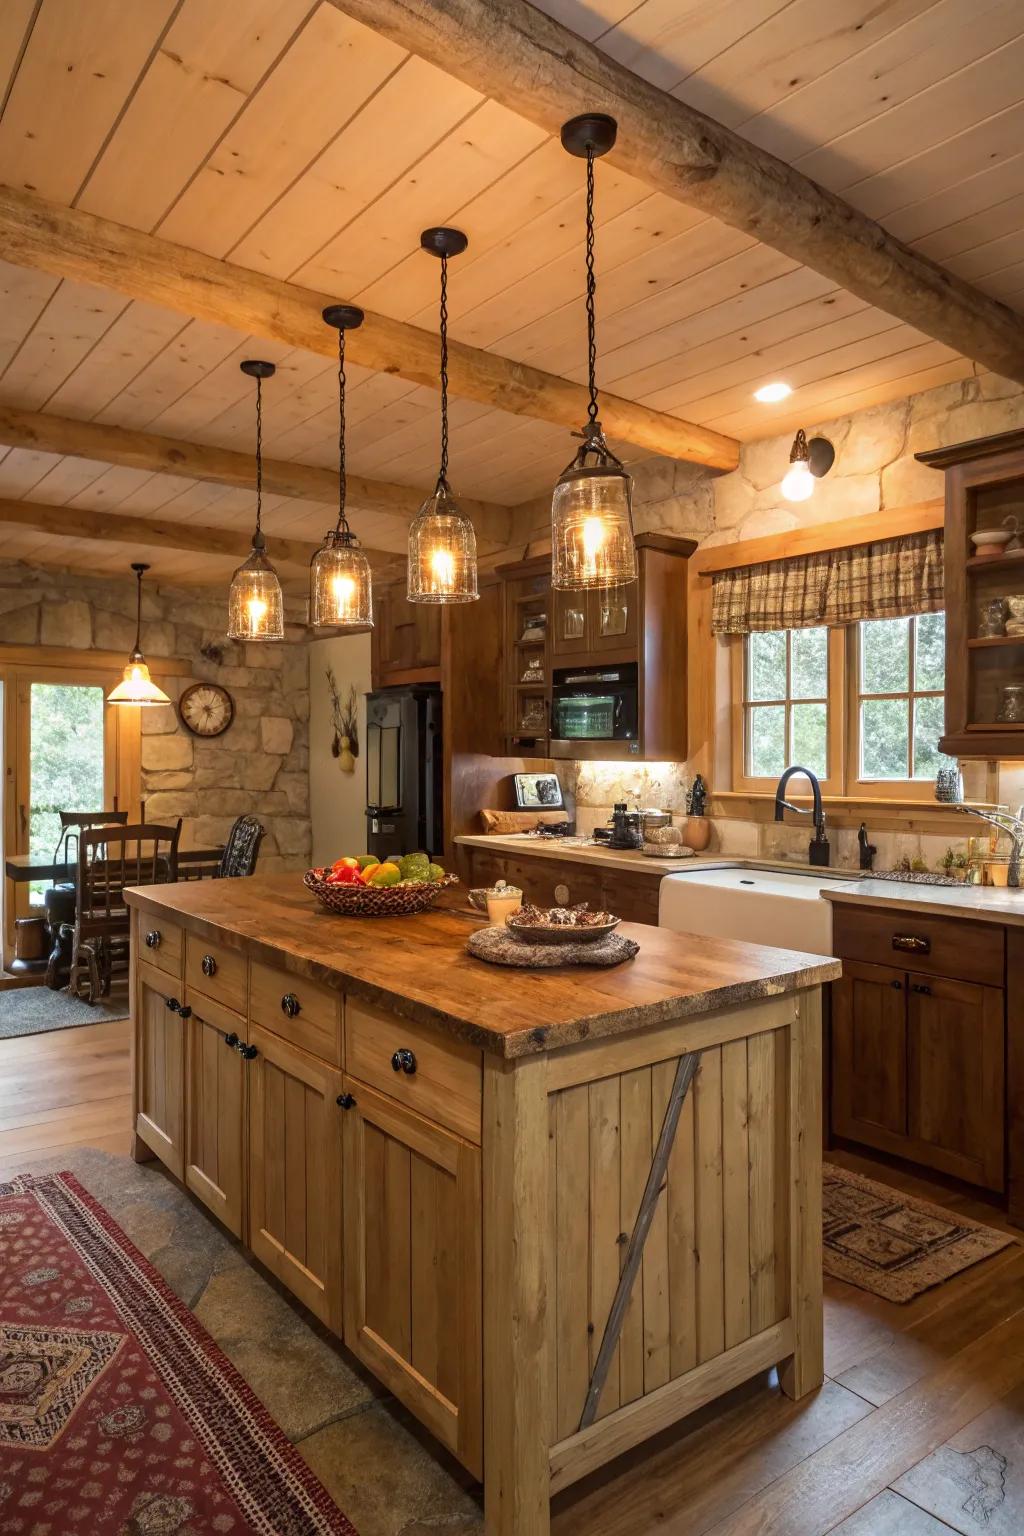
206, 709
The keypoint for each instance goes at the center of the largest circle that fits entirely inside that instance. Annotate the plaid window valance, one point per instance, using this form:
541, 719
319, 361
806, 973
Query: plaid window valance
885, 580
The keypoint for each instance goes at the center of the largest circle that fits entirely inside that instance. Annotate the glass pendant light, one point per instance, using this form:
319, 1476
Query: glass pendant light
340, 588
592, 542
798, 482
442, 544
255, 601
136, 685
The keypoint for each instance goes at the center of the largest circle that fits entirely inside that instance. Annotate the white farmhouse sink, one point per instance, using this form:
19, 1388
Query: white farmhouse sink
759, 906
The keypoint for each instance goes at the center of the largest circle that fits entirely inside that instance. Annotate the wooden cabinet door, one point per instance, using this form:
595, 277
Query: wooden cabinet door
215, 1090
406, 639
295, 1171
160, 1068
412, 1264
956, 1080
869, 1055
570, 624
613, 619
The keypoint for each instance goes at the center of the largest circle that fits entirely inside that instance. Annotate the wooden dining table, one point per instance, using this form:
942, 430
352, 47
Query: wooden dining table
25, 867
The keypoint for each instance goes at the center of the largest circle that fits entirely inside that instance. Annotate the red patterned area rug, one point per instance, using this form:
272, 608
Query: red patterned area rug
119, 1416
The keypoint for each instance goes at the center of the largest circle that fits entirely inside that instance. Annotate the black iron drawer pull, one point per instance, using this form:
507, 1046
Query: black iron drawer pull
404, 1061
290, 1005
172, 1003
897, 986
232, 1040
248, 1052
346, 1101
912, 943
185, 1011
209, 966
153, 938
922, 987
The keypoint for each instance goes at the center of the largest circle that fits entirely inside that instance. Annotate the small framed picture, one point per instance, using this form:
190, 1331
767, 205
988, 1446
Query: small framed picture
538, 792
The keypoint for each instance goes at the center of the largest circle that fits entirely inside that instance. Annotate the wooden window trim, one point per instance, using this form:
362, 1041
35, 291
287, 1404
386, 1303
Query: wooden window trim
744, 783
918, 791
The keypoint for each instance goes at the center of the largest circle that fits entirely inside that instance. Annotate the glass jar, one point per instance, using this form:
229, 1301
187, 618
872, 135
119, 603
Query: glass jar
1011, 711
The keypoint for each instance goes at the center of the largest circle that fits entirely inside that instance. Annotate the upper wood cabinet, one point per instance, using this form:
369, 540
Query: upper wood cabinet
984, 486
405, 643
644, 622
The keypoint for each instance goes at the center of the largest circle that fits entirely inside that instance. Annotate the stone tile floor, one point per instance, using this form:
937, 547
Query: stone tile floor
367, 1452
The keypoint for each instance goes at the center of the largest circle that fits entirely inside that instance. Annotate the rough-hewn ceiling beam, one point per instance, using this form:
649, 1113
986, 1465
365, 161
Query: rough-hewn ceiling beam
69, 243
539, 68
197, 461
154, 533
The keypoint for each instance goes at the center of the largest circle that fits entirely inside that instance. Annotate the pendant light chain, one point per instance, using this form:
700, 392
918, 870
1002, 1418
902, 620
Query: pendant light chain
442, 478
259, 460
139, 570
342, 527
591, 291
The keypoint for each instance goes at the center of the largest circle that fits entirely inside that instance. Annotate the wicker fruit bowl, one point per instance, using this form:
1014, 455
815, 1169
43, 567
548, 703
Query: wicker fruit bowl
401, 900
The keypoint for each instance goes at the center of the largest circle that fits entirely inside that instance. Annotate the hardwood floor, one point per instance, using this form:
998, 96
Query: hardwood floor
918, 1431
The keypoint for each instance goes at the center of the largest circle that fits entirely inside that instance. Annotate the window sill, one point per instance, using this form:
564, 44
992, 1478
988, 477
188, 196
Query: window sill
843, 810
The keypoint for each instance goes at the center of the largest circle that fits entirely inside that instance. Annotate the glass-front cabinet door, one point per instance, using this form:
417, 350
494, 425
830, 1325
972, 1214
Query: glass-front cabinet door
613, 618
570, 635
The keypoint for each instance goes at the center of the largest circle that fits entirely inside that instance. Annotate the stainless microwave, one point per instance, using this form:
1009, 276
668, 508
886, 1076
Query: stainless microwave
594, 703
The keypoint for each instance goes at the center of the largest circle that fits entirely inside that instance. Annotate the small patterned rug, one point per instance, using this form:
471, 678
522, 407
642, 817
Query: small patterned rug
892, 1244
118, 1413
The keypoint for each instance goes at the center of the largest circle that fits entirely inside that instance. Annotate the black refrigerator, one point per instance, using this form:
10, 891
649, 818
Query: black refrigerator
404, 772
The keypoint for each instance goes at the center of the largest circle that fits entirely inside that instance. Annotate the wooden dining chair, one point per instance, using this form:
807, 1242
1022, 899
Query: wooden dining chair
59, 899
111, 860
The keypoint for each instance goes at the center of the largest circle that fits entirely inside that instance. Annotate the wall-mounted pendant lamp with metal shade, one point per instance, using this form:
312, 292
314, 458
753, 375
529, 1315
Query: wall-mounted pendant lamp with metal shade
442, 544
136, 685
340, 586
592, 542
808, 461
255, 601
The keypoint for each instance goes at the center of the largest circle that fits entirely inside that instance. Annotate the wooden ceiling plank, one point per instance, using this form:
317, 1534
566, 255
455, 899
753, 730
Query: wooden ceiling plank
667, 41
16, 17
24, 295
100, 50
957, 102
537, 67
872, 82
39, 435
977, 191
481, 151
77, 317
115, 361
823, 400
329, 70
975, 230
210, 61
412, 112
71, 244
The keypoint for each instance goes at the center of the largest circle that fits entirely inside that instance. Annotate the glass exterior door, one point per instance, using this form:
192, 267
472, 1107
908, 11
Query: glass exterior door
66, 764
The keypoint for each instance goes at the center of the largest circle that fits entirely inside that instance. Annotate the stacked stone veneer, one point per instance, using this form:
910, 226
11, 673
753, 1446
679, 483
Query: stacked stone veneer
260, 764
875, 467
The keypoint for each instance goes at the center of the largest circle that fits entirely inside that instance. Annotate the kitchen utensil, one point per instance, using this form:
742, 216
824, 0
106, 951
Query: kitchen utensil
993, 618
990, 541
501, 902
559, 933
667, 851
653, 820
1011, 710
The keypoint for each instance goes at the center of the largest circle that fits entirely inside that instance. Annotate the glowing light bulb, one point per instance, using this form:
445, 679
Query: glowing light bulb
799, 482
256, 609
594, 534
769, 394
344, 590
442, 569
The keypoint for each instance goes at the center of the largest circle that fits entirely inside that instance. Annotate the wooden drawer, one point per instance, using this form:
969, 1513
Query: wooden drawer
216, 971
161, 943
445, 1084
300, 1011
939, 946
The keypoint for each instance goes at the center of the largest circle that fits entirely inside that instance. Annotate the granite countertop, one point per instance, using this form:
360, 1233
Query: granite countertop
584, 851
983, 903
418, 966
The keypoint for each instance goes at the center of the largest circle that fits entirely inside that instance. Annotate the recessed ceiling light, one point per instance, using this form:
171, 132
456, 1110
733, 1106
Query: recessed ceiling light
769, 393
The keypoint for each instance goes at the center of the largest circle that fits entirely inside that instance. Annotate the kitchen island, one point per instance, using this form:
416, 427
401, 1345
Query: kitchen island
553, 1212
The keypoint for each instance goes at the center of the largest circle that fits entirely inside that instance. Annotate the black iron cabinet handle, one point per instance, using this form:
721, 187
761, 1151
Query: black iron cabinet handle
209, 966
403, 1061
153, 939
290, 1005
346, 1100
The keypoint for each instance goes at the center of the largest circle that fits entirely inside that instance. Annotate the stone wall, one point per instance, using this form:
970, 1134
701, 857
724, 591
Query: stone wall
259, 765
875, 466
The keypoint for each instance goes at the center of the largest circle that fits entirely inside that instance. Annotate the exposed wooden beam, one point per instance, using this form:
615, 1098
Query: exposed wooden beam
222, 466
69, 243
539, 68
153, 533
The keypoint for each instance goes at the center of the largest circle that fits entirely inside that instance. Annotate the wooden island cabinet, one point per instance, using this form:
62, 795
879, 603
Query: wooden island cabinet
552, 1212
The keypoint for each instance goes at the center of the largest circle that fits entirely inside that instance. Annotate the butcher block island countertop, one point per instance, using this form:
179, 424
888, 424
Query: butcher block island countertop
356, 1098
